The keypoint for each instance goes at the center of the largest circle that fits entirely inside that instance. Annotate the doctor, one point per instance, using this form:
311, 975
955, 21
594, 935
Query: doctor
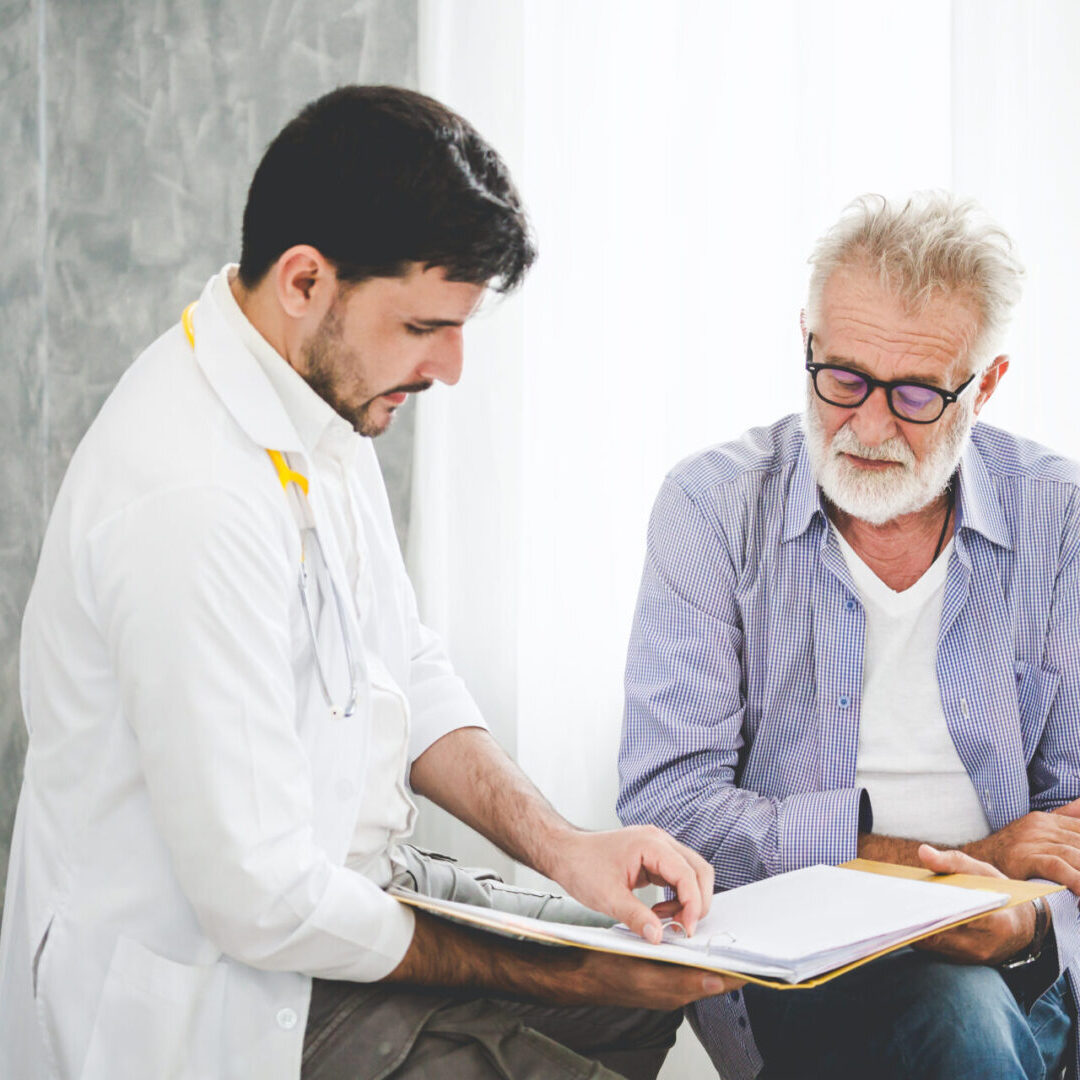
231, 700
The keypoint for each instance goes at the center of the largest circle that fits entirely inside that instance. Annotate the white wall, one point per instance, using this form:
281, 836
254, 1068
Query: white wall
679, 160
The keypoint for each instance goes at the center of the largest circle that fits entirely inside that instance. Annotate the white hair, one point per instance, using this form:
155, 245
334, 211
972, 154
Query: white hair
934, 244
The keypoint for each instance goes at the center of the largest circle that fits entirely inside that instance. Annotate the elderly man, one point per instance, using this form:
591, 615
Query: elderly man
858, 630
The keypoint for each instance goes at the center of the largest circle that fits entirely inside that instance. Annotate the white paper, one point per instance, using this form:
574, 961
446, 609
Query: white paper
792, 926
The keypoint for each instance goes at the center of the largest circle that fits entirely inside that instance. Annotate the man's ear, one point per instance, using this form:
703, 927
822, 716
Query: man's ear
989, 381
305, 282
802, 326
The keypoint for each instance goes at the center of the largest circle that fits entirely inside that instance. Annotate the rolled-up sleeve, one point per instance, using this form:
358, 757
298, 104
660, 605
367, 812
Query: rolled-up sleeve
438, 698
192, 590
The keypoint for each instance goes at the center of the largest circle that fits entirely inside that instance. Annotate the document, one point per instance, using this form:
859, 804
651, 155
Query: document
797, 929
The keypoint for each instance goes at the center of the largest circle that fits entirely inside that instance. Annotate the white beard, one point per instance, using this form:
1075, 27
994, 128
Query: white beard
879, 496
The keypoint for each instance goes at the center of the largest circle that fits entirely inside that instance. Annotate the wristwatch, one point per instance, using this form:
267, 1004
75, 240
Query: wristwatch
1034, 949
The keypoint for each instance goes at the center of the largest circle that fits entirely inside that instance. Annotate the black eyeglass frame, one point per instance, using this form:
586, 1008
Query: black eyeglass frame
948, 397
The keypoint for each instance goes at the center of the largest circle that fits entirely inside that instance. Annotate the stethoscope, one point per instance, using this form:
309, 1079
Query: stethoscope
297, 483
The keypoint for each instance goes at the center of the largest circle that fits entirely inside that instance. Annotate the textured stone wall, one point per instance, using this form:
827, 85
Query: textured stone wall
130, 130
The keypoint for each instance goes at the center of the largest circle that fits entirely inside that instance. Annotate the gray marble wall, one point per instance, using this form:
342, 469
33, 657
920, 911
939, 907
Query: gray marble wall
130, 131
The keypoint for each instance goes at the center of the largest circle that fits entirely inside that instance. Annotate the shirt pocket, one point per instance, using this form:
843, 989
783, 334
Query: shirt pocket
155, 1018
1036, 689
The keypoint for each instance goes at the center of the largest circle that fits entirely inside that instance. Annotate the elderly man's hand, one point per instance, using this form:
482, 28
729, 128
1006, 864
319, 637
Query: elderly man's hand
600, 869
1042, 845
988, 940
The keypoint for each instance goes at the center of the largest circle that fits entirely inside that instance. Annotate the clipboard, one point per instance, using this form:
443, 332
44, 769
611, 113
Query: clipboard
625, 944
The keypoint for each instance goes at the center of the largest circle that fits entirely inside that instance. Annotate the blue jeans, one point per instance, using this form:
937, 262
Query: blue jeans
910, 1015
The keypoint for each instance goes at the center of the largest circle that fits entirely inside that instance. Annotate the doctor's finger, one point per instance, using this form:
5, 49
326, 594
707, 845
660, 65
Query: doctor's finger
704, 872
667, 909
639, 917
670, 868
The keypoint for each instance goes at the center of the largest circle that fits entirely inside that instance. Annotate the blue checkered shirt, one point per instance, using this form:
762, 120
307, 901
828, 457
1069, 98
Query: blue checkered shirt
744, 673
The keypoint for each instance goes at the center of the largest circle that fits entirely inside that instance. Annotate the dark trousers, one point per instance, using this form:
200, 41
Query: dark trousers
372, 1031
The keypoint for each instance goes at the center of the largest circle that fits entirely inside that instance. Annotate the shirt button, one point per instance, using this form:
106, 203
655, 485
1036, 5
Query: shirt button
286, 1019
849, 604
386, 1048
843, 701
742, 1021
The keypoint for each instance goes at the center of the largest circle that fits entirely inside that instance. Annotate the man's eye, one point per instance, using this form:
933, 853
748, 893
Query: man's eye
419, 331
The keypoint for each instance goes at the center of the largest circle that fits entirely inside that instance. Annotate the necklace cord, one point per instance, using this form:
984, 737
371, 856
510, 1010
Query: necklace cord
945, 524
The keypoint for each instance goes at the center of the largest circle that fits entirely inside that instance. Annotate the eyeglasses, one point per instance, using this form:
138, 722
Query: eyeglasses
915, 402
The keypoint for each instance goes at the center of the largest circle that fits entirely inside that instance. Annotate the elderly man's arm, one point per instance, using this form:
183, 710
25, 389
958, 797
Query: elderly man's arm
1038, 845
683, 726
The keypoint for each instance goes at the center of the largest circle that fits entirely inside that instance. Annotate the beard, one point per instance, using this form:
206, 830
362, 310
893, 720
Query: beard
880, 496
326, 357
328, 361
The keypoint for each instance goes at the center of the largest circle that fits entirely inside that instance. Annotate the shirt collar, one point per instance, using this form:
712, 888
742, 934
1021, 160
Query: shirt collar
803, 500
310, 415
977, 508
237, 379
977, 505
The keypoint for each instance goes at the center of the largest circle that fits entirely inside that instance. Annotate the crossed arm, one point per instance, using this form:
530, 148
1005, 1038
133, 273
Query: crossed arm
1042, 845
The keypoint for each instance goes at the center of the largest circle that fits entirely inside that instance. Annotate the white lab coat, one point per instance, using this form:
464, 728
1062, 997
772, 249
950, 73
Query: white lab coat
177, 870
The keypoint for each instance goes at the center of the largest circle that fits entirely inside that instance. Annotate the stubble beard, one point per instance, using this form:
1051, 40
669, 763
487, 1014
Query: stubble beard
323, 358
878, 496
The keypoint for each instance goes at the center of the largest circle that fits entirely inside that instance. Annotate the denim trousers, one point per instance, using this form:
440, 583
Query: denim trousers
911, 1015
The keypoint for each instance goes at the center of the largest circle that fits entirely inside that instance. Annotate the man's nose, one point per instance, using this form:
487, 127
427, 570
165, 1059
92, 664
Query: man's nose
446, 358
873, 421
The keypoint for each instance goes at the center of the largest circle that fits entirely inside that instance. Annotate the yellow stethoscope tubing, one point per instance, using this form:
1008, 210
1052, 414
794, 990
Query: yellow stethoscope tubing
287, 476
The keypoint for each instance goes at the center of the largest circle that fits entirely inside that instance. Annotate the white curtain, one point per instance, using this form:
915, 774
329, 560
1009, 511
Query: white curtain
679, 160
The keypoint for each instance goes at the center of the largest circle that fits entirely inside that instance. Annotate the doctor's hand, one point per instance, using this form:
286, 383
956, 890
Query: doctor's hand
601, 870
625, 981
989, 939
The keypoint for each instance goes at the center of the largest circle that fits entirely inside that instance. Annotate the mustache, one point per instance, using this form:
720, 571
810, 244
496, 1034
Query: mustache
411, 388
895, 450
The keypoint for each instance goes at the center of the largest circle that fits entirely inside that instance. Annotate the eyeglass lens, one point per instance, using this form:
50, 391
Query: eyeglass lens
847, 388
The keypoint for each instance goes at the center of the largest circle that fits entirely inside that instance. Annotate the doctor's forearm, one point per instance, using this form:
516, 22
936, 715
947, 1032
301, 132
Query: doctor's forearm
467, 773
447, 955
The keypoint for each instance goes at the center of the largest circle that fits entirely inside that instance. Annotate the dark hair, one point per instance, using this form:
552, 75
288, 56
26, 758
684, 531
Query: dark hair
375, 178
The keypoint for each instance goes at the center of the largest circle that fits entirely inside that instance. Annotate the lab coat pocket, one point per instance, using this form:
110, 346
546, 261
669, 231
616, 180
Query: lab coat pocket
1036, 688
156, 1018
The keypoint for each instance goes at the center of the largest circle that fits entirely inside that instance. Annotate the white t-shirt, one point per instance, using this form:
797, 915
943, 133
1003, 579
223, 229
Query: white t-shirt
907, 762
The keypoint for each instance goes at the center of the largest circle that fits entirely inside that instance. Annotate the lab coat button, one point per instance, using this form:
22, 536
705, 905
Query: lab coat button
286, 1019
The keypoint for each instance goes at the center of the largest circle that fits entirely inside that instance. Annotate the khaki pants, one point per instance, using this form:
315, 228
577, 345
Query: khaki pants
372, 1031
